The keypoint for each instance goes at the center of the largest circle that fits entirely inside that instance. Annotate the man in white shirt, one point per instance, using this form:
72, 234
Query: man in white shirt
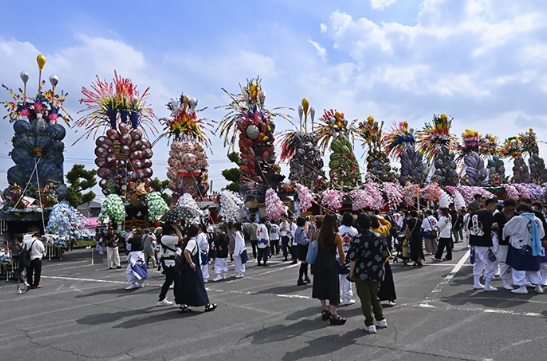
284, 232
274, 238
263, 242
37, 252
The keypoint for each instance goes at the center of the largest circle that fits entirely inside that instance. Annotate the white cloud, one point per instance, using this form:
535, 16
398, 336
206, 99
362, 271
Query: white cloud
381, 4
483, 62
323, 27
322, 52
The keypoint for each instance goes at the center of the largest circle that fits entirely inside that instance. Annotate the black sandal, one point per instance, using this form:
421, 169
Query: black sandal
210, 307
336, 320
184, 309
325, 315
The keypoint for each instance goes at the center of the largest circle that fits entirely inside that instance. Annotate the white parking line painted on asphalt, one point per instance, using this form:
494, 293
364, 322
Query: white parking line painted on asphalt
83, 279
474, 309
449, 277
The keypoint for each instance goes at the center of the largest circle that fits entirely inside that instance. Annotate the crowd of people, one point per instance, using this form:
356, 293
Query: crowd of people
506, 241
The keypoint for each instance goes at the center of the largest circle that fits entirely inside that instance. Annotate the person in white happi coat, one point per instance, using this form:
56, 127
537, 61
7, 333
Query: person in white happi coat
239, 247
525, 249
480, 236
500, 220
135, 260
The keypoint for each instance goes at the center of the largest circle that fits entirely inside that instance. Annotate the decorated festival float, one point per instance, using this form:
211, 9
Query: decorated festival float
123, 152
299, 148
36, 182
474, 172
437, 145
251, 126
335, 131
187, 132
400, 144
378, 166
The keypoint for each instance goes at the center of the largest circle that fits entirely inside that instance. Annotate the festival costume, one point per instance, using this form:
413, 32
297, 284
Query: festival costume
480, 236
525, 250
239, 247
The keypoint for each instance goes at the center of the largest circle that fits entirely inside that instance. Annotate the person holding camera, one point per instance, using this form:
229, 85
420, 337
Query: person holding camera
112, 251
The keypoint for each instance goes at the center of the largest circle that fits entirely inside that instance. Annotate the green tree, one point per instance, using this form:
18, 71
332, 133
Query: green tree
79, 180
233, 174
161, 186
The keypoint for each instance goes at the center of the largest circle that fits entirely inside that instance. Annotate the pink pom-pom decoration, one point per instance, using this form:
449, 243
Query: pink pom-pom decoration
332, 199
432, 192
411, 194
511, 191
523, 191
360, 199
394, 193
274, 205
374, 192
305, 197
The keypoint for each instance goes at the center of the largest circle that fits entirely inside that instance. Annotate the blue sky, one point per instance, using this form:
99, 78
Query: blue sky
483, 62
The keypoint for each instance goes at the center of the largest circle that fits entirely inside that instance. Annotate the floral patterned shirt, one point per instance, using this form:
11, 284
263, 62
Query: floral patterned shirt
368, 250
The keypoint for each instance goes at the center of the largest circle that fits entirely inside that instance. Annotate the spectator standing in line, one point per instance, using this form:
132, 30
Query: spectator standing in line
386, 292
20, 262
230, 232
457, 222
292, 243
274, 238
148, 247
367, 254
444, 228
429, 228
263, 242
169, 244
37, 252
326, 285
413, 235
112, 250
302, 243
252, 231
284, 232
203, 243
221, 259
347, 231
239, 247
192, 290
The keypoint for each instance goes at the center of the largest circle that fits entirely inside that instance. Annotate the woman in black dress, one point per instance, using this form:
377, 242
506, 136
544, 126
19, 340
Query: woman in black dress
414, 235
325, 271
191, 291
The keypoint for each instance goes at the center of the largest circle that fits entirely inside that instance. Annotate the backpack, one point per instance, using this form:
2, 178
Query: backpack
24, 255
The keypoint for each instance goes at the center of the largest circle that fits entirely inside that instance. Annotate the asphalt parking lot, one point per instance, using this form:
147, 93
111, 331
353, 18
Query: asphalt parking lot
83, 312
